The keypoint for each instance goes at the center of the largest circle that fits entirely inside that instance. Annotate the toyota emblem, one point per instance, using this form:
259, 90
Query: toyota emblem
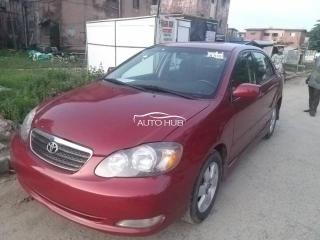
52, 147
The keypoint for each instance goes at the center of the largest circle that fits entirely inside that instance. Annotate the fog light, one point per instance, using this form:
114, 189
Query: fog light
141, 223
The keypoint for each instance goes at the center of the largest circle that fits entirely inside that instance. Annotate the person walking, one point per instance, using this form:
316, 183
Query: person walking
313, 82
278, 60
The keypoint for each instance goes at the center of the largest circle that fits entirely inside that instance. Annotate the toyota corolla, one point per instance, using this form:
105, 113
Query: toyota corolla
153, 140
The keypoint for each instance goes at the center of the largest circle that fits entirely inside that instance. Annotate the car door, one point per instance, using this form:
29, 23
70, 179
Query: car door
245, 112
266, 77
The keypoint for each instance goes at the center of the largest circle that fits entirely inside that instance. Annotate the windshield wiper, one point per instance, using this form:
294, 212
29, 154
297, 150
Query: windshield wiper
118, 82
164, 90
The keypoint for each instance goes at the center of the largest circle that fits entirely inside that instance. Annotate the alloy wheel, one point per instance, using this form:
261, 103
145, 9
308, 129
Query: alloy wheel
208, 187
273, 120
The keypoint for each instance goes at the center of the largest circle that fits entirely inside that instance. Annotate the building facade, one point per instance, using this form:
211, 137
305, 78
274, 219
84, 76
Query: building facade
61, 23
233, 35
214, 9
289, 37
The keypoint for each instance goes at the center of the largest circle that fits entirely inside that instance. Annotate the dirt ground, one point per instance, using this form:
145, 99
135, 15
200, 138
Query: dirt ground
274, 193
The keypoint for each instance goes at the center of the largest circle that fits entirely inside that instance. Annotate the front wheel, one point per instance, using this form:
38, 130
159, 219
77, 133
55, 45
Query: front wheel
272, 123
205, 190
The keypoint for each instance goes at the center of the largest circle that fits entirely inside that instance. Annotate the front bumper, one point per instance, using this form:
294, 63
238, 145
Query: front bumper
95, 202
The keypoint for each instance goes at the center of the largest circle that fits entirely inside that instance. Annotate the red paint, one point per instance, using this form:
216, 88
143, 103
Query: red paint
100, 116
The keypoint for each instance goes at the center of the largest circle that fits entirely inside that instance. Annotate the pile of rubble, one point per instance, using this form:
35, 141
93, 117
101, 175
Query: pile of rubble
6, 128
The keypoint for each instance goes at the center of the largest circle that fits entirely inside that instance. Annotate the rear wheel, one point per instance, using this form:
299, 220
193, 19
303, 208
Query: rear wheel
205, 190
272, 123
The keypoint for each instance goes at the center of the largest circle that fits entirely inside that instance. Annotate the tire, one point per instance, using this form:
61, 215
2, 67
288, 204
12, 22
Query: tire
272, 123
208, 183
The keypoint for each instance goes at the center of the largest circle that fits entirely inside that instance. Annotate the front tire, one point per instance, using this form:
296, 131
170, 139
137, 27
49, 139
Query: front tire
205, 190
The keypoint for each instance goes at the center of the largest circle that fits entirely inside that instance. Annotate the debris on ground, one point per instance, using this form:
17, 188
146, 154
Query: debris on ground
38, 56
25, 200
6, 129
2, 89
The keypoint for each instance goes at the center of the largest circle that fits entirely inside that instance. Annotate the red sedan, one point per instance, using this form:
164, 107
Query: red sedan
152, 141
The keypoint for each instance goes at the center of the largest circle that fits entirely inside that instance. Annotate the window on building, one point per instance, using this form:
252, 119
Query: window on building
292, 34
136, 4
275, 34
266, 34
212, 1
253, 33
155, 2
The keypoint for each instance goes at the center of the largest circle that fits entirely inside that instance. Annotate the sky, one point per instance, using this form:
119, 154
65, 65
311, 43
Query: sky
274, 13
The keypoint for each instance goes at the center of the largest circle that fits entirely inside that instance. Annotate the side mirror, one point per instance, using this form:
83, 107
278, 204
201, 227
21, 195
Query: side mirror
247, 91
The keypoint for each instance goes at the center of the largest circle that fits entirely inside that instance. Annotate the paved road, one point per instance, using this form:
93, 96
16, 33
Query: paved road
274, 193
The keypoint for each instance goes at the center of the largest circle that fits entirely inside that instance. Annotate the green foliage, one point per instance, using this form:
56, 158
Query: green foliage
315, 37
30, 83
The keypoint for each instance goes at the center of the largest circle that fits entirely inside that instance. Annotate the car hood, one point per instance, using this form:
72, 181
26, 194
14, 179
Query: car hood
103, 116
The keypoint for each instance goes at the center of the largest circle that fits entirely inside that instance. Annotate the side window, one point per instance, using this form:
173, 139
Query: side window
242, 72
262, 68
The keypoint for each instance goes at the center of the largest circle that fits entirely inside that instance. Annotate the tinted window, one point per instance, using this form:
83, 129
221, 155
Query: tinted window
243, 70
263, 70
190, 71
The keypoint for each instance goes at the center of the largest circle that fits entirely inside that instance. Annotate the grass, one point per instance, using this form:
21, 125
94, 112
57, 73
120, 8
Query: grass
30, 83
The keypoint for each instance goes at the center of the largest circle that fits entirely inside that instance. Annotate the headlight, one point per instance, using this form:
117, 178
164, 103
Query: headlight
26, 125
145, 160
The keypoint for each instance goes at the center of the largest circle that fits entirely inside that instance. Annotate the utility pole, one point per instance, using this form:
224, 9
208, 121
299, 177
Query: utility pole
159, 8
119, 8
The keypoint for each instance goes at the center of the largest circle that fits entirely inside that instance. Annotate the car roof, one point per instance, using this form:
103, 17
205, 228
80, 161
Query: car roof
222, 46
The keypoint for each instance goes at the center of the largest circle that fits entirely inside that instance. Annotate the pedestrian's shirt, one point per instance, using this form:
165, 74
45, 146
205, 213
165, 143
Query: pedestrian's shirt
314, 80
278, 61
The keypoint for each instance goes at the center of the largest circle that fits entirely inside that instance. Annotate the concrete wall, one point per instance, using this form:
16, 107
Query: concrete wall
12, 32
127, 9
222, 15
74, 16
181, 6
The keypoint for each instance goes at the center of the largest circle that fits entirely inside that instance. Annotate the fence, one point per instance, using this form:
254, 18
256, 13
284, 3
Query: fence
296, 60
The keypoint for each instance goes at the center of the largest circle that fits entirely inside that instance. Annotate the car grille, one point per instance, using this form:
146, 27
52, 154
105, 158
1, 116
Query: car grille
59, 152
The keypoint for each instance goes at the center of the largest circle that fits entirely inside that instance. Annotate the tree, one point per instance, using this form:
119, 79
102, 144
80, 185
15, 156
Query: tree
315, 37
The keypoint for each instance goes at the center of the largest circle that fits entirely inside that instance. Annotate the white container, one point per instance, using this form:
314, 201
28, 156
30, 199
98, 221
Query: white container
111, 42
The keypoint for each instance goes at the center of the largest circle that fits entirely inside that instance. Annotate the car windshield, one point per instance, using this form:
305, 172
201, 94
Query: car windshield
184, 71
